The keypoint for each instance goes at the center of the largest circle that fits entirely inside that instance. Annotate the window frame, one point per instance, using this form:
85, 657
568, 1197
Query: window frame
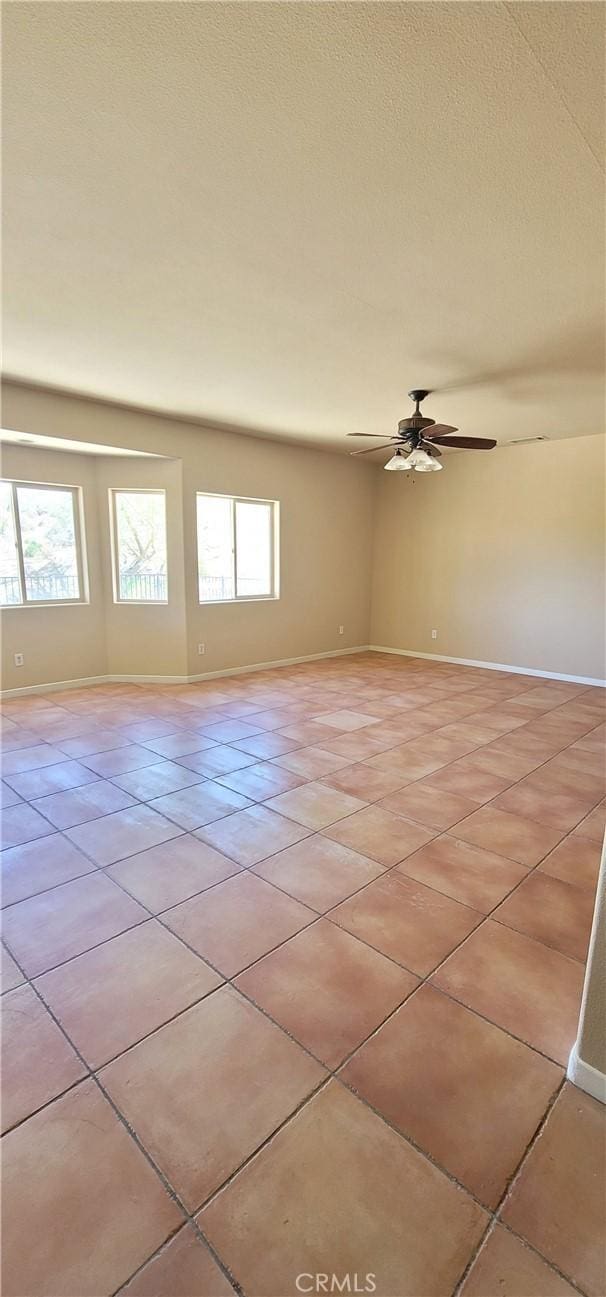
114, 491
274, 508
79, 540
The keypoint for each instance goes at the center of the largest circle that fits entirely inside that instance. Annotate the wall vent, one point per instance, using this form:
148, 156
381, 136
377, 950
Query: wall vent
524, 441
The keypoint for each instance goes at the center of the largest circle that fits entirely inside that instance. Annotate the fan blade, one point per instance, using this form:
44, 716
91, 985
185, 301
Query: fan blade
467, 443
389, 445
438, 430
365, 434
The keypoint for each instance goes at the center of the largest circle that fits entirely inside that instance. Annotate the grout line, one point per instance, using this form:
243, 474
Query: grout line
331, 1072
496, 1218
92, 1076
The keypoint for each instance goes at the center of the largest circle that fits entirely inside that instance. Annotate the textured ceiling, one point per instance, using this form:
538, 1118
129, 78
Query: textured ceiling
282, 216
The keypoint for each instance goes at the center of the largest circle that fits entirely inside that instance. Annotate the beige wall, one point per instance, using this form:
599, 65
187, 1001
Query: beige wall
145, 639
502, 553
58, 643
326, 514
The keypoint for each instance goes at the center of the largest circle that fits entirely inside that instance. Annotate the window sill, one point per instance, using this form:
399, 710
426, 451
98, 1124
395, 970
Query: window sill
253, 598
141, 603
50, 603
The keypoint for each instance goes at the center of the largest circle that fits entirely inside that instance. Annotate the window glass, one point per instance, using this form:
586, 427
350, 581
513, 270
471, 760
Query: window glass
10, 581
253, 548
140, 520
48, 540
236, 545
215, 548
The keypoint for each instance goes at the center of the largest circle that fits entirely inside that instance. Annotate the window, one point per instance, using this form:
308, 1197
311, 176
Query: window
40, 544
237, 542
139, 546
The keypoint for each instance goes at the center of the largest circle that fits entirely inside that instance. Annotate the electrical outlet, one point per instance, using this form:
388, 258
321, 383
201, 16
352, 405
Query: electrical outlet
341, 630
19, 659
201, 649
434, 634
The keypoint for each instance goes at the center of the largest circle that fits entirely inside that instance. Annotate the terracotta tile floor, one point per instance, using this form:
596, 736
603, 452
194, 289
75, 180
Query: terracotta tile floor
291, 973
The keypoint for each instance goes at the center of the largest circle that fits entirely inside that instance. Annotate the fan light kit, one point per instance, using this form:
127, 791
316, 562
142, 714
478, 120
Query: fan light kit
416, 442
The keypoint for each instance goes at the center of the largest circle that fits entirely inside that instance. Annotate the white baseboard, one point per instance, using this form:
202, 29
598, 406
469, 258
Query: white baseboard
492, 666
586, 1077
56, 686
279, 662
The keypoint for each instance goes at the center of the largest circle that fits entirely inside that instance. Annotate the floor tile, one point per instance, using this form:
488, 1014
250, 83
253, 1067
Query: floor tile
84, 745
520, 984
433, 807
118, 761
22, 824
266, 745
312, 762
237, 921
16, 740
261, 781
54, 926
100, 1209
10, 975
38, 1063
310, 733
220, 760
113, 837
557, 1201
158, 780
467, 874
556, 913
184, 1268
549, 807
110, 997
575, 860
509, 835
328, 990
449, 739
408, 764
464, 1091
252, 835
507, 1267
594, 825
204, 1091
318, 872
380, 835
8, 796
33, 867
413, 924
201, 804
165, 875
228, 731
51, 779
346, 720
361, 780
360, 745
315, 805
180, 744
498, 759
149, 729
33, 758
478, 786
79, 805
337, 1170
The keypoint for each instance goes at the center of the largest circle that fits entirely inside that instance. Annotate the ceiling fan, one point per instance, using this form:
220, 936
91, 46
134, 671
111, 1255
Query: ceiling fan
417, 439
